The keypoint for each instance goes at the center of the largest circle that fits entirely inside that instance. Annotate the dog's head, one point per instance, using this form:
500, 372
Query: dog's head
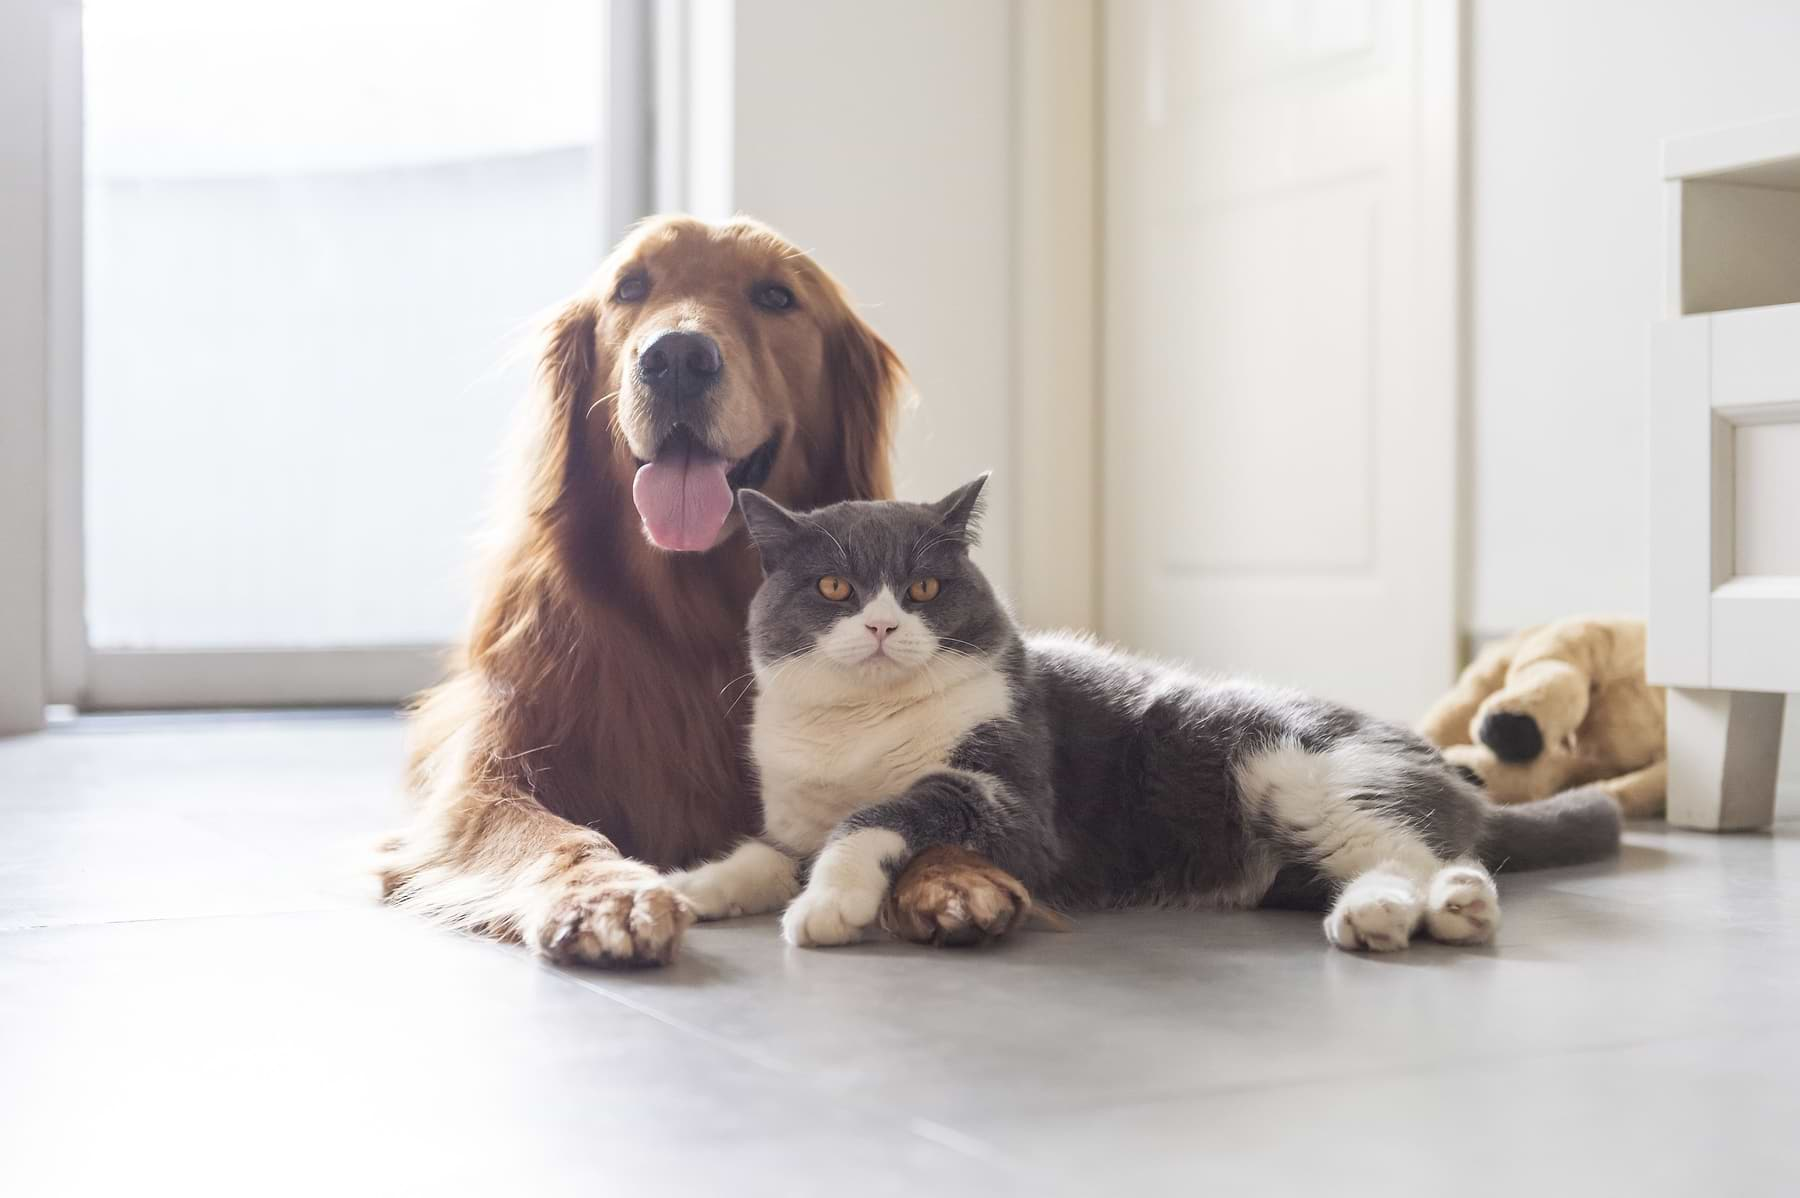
706, 358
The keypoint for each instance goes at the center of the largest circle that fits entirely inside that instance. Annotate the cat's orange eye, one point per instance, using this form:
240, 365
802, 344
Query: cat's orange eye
924, 590
834, 588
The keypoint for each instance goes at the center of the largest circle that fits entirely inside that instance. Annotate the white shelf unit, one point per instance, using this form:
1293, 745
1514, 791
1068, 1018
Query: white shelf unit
1725, 469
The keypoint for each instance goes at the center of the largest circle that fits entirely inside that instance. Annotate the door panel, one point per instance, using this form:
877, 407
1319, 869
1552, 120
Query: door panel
1279, 435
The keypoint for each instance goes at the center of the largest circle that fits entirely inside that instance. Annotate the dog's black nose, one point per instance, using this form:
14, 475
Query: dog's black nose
679, 365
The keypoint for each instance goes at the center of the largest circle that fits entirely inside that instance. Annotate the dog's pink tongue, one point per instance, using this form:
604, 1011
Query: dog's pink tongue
683, 498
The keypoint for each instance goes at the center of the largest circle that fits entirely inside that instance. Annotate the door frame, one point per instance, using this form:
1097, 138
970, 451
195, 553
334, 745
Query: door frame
24, 358
1056, 488
65, 582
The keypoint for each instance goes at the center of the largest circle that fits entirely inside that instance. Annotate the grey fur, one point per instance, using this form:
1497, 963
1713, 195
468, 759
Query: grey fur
1572, 828
1115, 780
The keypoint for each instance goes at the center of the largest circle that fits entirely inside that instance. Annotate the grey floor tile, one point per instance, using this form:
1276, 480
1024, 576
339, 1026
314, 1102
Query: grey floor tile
1707, 1115
1181, 1003
197, 987
360, 1053
189, 816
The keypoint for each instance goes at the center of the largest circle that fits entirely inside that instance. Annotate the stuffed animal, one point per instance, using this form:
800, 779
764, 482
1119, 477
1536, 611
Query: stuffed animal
1559, 706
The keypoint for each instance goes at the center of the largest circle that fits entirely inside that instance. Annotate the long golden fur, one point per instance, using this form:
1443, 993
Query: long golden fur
590, 731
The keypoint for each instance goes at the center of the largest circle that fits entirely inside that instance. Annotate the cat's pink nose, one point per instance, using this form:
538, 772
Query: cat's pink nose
880, 631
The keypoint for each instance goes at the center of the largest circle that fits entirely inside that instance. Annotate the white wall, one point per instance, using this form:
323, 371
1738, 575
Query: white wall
1569, 104
879, 135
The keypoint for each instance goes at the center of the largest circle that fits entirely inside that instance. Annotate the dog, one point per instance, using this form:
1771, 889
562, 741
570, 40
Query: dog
590, 731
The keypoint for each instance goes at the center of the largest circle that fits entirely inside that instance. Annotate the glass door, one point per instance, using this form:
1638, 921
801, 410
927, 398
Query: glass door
317, 237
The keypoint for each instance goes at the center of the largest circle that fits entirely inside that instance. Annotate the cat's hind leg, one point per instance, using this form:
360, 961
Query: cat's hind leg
1382, 910
1461, 904
1352, 812
1379, 910
753, 879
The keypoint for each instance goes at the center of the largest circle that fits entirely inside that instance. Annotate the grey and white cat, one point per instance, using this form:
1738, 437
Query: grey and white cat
900, 708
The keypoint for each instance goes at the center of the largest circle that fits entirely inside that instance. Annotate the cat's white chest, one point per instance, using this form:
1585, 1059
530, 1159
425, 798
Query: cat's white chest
819, 764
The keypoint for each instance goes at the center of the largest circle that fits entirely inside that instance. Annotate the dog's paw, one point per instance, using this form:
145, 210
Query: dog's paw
1378, 912
953, 897
614, 923
828, 915
389, 865
1462, 906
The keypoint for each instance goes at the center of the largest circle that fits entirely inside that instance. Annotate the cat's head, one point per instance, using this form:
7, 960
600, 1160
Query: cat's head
872, 594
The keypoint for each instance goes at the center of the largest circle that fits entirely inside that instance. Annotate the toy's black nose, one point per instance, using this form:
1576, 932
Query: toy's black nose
679, 365
1514, 738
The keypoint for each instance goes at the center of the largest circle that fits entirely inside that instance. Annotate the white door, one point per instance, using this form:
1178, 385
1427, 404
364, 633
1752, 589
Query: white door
1279, 368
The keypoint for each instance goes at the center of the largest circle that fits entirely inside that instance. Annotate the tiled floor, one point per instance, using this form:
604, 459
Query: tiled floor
198, 990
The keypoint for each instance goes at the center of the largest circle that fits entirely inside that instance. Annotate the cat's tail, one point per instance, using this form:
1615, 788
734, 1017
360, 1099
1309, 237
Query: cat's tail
1571, 828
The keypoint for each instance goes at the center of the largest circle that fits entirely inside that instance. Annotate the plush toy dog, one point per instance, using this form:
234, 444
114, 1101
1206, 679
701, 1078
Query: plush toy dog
1555, 707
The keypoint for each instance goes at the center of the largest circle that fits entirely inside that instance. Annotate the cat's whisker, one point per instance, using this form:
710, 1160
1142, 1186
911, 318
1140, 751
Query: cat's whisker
958, 641
912, 555
943, 540
740, 678
840, 547
786, 663
749, 686
752, 672
749, 680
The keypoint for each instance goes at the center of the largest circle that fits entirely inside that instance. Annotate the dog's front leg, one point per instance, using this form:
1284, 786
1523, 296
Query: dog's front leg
483, 854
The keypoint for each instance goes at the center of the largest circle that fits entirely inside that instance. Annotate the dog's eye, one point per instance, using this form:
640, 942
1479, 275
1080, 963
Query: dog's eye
631, 289
924, 590
772, 296
834, 588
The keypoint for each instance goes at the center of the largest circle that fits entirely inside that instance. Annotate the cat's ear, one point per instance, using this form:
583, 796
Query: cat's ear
960, 511
771, 525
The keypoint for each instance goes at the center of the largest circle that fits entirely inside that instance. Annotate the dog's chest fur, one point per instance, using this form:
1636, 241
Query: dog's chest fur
820, 763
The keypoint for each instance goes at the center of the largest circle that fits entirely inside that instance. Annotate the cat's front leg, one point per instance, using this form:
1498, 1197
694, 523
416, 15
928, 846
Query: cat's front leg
844, 893
850, 880
753, 879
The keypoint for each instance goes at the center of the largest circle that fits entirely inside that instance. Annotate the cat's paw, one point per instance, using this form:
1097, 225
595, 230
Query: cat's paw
828, 915
706, 892
753, 879
1378, 912
1462, 906
952, 897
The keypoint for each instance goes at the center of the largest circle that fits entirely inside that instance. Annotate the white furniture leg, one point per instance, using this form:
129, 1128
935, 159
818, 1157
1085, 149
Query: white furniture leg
1723, 751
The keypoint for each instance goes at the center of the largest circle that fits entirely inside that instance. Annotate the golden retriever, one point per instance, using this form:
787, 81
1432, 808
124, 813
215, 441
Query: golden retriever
591, 730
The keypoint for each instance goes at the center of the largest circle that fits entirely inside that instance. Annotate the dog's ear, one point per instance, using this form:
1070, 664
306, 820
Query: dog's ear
771, 526
960, 511
557, 452
863, 380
